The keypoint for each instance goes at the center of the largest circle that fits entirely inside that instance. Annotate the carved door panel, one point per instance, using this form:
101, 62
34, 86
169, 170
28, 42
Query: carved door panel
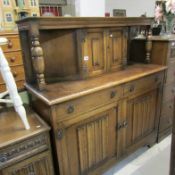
90, 143
141, 117
40, 164
117, 48
92, 51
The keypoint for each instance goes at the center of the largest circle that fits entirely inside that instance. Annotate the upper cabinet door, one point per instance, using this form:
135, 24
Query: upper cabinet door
92, 52
116, 48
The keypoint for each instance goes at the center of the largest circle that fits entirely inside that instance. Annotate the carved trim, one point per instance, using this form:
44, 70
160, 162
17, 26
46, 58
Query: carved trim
12, 152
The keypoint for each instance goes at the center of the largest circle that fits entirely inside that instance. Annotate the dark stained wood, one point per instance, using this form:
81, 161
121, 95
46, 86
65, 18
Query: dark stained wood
100, 109
74, 48
82, 22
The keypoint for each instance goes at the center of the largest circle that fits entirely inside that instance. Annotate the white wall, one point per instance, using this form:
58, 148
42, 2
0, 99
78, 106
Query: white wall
133, 8
90, 7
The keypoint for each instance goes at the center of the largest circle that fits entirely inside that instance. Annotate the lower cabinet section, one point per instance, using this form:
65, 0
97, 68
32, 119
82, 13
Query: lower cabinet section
91, 143
36, 165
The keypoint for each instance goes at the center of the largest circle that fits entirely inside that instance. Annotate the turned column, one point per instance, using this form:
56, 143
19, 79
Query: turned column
37, 57
148, 48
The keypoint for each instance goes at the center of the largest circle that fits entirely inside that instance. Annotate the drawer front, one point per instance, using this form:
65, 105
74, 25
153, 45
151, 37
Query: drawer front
13, 43
169, 91
20, 85
20, 151
167, 114
14, 58
143, 84
89, 102
18, 73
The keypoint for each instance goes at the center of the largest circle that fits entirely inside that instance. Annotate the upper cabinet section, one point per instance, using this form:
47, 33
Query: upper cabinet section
70, 48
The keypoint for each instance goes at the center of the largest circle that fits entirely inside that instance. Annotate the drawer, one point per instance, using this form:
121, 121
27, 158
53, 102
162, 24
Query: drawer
18, 73
142, 84
167, 114
13, 43
20, 85
169, 91
14, 58
20, 151
89, 102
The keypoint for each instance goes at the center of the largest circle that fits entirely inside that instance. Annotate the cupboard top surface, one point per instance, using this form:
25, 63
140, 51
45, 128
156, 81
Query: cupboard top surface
12, 129
81, 22
64, 91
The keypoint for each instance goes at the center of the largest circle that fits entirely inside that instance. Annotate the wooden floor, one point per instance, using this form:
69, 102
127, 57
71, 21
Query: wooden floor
153, 161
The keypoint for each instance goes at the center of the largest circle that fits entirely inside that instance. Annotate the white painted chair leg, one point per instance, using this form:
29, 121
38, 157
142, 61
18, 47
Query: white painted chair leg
11, 87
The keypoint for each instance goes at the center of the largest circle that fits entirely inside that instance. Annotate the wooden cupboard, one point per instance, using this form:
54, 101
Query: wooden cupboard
97, 120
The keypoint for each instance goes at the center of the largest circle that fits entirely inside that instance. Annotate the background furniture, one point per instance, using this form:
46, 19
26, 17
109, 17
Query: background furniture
13, 54
96, 121
24, 151
162, 53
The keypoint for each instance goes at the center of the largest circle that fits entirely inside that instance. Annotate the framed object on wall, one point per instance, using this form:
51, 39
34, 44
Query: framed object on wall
119, 12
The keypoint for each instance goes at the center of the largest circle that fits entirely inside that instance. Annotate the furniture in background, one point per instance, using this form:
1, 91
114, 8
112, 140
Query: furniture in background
119, 12
100, 109
8, 78
13, 54
162, 53
23, 151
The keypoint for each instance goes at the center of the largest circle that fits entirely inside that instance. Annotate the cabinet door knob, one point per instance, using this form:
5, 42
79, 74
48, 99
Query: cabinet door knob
119, 126
111, 35
70, 109
10, 44
125, 124
113, 94
12, 59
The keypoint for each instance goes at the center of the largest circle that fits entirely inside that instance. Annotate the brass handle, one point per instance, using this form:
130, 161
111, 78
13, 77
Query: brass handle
119, 126
10, 44
12, 59
113, 94
15, 74
131, 89
70, 109
125, 124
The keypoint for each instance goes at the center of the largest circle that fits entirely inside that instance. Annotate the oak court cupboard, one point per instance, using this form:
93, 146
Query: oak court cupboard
100, 108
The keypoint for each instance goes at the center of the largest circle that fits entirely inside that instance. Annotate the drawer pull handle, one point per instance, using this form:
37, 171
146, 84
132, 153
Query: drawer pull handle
10, 44
70, 109
15, 74
113, 94
119, 126
12, 59
131, 89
